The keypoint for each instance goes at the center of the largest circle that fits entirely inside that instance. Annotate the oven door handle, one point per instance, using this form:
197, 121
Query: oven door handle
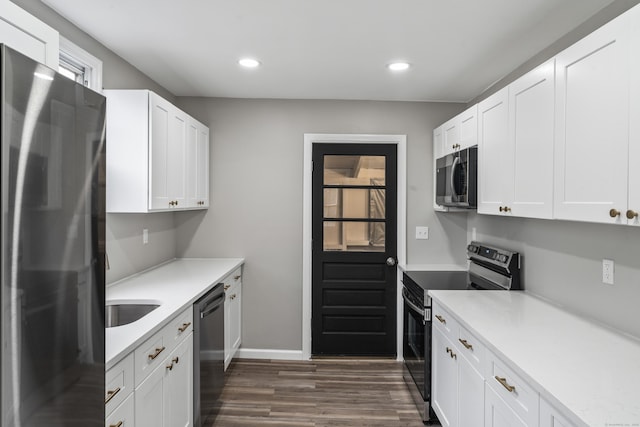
411, 305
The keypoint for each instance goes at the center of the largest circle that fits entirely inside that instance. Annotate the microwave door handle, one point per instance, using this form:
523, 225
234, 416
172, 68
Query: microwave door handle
455, 163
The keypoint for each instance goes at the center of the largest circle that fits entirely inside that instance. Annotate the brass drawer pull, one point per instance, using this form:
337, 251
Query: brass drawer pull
632, 214
441, 319
465, 344
175, 360
184, 326
233, 296
116, 425
110, 395
226, 287
236, 277
614, 213
503, 381
170, 367
157, 353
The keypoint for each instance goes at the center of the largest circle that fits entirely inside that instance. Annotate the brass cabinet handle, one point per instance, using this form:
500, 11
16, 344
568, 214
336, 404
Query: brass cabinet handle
465, 344
505, 209
451, 353
237, 277
157, 352
110, 395
184, 326
116, 425
632, 214
503, 381
614, 213
232, 296
441, 319
226, 287
175, 360
170, 367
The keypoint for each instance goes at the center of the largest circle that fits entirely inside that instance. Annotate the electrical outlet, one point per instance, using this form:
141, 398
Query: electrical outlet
607, 271
422, 233
145, 236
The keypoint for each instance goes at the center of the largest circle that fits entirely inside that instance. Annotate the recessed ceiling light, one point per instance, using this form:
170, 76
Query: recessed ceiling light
249, 62
398, 66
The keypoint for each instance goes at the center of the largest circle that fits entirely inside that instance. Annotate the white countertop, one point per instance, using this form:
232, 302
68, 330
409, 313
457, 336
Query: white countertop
592, 371
432, 267
175, 286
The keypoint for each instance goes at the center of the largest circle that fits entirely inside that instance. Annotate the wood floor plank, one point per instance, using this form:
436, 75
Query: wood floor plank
318, 393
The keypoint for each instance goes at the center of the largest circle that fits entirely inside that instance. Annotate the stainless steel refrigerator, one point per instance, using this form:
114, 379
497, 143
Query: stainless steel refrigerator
53, 233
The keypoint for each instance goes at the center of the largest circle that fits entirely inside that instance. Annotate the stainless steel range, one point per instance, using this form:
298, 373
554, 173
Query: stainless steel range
490, 268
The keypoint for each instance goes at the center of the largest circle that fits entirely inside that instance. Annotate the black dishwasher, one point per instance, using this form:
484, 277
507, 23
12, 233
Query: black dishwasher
208, 355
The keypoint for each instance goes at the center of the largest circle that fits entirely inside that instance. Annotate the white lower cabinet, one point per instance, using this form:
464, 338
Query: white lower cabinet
550, 417
165, 397
497, 413
444, 380
123, 415
232, 315
457, 386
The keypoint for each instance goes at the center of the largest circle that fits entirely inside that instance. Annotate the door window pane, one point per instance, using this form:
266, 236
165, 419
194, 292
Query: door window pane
354, 203
353, 236
354, 170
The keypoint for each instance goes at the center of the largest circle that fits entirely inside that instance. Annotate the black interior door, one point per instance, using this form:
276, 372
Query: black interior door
354, 234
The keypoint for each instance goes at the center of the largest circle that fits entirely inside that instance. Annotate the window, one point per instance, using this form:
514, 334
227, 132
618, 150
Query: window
80, 65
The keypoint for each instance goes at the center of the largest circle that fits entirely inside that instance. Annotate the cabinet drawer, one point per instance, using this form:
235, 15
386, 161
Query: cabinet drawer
445, 322
118, 383
123, 415
472, 349
179, 328
515, 391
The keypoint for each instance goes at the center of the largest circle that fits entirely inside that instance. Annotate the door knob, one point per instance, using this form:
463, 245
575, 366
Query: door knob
391, 261
614, 213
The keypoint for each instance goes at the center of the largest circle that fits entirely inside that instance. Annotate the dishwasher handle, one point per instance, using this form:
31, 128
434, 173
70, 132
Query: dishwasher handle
211, 306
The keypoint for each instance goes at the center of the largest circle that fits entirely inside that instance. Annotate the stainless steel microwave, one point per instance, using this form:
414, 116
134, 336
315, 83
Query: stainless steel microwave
456, 179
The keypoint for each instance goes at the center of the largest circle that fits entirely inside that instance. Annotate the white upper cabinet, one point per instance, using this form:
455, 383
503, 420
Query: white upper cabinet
633, 207
197, 164
460, 132
157, 156
592, 124
28, 35
494, 168
529, 189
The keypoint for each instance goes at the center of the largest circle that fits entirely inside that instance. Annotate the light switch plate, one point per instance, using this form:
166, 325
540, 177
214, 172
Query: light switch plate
422, 233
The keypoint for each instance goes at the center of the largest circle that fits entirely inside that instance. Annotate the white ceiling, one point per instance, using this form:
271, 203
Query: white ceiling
327, 49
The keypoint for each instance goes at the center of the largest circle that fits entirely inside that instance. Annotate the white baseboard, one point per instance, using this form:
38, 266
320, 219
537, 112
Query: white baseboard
259, 353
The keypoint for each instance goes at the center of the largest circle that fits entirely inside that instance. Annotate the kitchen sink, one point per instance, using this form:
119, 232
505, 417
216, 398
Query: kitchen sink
119, 314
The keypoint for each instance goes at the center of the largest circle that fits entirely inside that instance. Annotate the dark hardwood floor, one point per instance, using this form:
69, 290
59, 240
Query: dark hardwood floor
318, 393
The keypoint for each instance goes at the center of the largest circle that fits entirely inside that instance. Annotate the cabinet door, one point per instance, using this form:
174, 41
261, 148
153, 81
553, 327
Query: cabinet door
192, 164
235, 307
160, 116
592, 125
470, 395
176, 166
28, 35
494, 168
178, 387
634, 132
444, 381
531, 134
497, 413
549, 417
450, 136
202, 167
468, 127
123, 415
149, 400
437, 143
227, 331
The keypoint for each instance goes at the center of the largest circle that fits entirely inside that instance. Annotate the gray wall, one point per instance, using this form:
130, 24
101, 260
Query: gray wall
256, 197
563, 263
124, 232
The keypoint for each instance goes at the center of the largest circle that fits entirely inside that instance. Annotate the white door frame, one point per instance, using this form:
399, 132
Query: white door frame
309, 140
